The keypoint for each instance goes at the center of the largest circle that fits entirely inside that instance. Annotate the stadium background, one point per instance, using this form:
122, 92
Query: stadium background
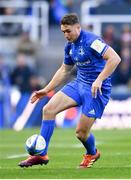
31, 50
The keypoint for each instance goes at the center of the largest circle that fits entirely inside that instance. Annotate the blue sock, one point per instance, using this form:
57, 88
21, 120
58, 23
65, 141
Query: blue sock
47, 128
89, 144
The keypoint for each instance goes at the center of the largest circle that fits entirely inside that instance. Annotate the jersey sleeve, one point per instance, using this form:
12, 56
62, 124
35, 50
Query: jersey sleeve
67, 57
99, 46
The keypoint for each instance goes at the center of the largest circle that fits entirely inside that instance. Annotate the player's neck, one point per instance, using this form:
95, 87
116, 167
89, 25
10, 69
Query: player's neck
78, 35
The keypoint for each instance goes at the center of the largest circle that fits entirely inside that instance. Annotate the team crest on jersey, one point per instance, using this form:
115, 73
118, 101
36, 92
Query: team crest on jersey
98, 45
81, 51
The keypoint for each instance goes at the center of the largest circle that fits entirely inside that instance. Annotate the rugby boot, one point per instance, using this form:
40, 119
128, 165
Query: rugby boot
34, 160
88, 160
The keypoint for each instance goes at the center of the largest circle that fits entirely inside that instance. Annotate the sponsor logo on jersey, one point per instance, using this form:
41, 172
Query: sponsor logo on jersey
92, 112
83, 63
98, 45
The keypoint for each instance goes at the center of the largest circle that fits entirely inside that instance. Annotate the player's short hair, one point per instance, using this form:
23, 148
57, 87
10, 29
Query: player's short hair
70, 19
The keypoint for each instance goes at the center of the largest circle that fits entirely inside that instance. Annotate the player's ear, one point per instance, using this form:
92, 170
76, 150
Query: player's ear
78, 26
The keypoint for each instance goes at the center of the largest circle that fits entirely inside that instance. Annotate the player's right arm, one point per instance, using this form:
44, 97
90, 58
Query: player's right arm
60, 76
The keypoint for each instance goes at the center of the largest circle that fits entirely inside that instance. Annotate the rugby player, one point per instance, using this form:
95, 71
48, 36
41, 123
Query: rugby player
95, 62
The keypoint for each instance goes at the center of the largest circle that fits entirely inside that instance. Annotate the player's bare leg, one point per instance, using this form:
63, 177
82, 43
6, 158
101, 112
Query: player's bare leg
87, 139
58, 103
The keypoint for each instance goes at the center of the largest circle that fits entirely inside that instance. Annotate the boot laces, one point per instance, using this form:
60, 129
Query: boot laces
87, 160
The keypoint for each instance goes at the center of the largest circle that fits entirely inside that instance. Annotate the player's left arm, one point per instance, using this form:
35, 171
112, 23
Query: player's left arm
113, 60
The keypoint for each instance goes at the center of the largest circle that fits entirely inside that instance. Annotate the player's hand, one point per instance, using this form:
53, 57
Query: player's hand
38, 95
96, 86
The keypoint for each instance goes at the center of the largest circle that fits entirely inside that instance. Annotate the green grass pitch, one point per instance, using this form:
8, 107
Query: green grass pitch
65, 155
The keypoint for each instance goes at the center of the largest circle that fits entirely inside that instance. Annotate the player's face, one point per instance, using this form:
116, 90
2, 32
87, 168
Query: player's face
71, 32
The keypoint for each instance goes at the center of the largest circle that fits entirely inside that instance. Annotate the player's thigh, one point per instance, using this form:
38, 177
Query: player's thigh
85, 123
60, 102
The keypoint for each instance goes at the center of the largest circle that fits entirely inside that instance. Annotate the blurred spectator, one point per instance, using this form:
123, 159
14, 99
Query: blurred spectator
21, 74
35, 83
123, 75
26, 45
121, 42
110, 38
7, 28
126, 55
4, 73
5, 88
57, 11
32, 49
125, 37
17, 9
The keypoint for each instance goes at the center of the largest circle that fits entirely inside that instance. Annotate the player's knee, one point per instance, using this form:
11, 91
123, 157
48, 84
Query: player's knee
48, 111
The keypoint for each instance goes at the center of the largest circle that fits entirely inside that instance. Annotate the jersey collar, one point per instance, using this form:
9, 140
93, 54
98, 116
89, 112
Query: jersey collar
79, 37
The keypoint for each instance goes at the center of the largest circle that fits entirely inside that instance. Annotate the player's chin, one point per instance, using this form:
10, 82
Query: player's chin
69, 40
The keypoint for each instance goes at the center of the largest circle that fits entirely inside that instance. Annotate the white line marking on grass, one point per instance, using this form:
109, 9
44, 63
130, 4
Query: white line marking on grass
11, 145
16, 156
78, 145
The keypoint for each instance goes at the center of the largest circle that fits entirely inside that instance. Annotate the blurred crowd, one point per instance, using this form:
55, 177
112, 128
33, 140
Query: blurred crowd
20, 69
120, 40
57, 8
24, 74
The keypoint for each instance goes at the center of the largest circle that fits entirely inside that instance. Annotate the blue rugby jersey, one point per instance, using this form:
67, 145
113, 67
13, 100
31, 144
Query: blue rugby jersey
87, 54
